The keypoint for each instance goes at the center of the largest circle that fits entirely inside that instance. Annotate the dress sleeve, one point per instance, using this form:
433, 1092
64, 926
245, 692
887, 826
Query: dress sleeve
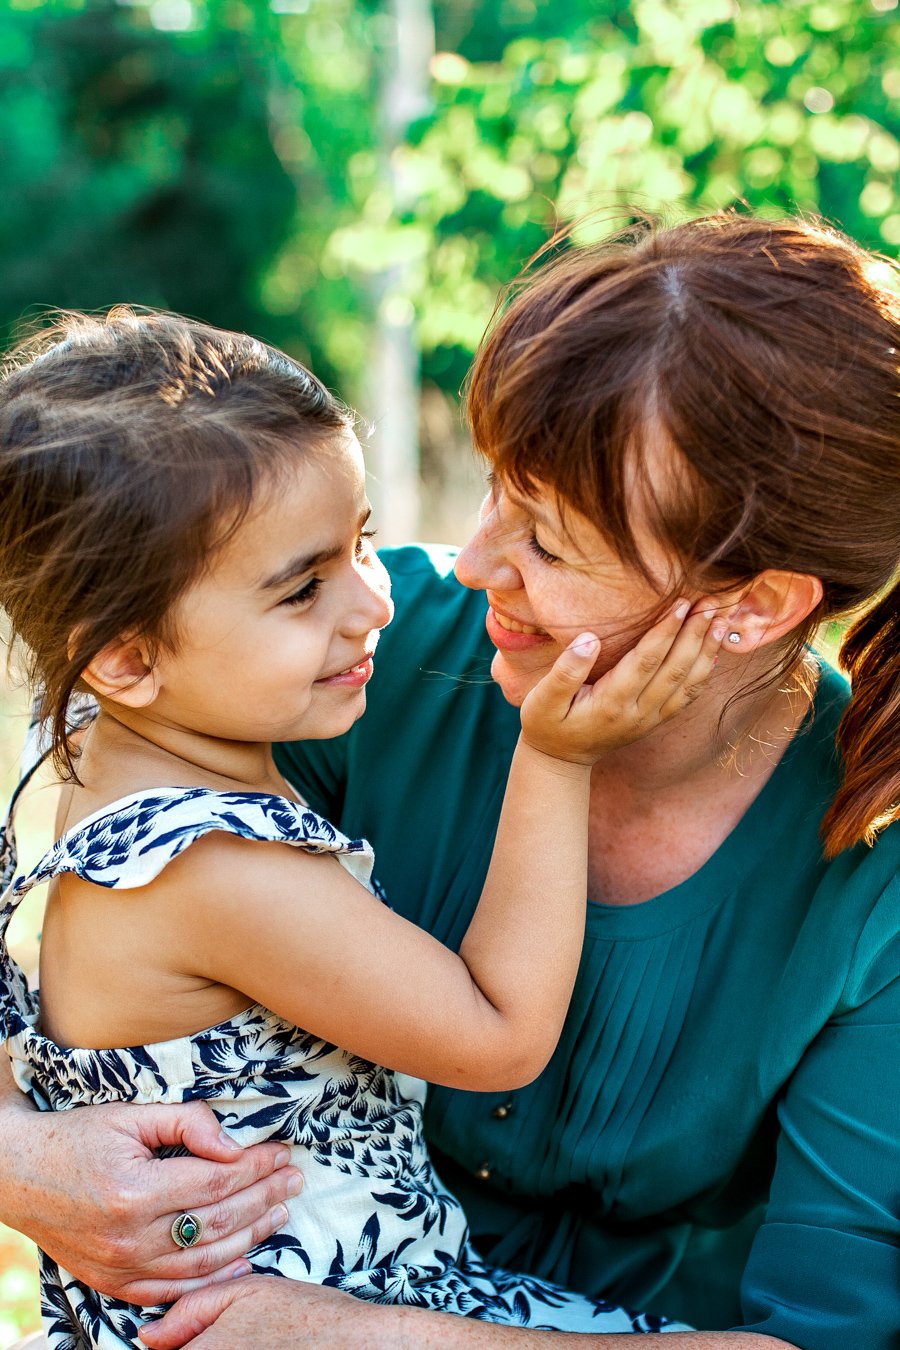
824, 1270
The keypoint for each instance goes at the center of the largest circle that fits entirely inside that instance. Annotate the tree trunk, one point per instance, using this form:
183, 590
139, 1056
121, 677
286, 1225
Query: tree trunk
393, 395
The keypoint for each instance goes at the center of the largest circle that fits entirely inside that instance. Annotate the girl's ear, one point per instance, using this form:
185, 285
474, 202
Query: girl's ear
769, 608
123, 672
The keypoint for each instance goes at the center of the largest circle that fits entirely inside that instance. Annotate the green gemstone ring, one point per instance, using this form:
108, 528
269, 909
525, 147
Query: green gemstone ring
187, 1230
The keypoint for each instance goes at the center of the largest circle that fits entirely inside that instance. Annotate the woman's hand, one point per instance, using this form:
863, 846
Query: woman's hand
86, 1186
662, 674
266, 1313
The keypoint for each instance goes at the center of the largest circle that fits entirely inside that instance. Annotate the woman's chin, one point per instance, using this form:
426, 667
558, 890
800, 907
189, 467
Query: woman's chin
518, 672
515, 676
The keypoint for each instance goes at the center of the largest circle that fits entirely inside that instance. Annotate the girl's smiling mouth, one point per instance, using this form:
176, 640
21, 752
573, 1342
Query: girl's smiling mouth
354, 677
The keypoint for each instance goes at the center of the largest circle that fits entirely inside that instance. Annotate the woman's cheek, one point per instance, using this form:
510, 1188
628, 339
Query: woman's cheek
611, 652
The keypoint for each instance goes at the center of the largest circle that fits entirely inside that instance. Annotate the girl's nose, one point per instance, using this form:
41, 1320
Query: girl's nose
483, 563
373, 606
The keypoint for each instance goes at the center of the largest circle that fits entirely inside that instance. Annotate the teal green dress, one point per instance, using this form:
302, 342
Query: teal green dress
717, 1136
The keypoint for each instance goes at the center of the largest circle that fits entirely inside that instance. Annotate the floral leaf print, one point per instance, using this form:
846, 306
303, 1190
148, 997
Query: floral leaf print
521, 1308
281, 1248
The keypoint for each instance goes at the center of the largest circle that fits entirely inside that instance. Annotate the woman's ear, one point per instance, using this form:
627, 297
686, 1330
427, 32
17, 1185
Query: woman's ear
123, 672
769, 608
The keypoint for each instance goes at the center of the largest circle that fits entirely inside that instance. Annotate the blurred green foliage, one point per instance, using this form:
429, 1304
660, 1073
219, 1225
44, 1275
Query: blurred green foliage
227, 158
686, 104
136, 167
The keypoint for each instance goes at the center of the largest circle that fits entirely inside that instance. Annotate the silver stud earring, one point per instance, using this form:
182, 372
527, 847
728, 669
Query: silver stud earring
734, 638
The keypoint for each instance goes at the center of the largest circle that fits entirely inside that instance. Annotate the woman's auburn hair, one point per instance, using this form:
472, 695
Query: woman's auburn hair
765, 354
132, 445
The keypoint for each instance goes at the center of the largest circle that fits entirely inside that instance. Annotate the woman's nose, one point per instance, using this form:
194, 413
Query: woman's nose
483, 563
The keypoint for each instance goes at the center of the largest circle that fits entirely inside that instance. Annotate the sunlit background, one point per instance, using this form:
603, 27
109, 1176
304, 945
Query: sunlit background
353, 181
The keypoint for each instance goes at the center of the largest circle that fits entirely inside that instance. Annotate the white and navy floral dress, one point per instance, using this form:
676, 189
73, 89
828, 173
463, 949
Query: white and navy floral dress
373, 1219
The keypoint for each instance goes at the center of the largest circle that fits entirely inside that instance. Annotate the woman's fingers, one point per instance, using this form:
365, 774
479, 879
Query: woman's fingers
189, 1183
192, 1125
148, 1293
243, 1209
192, 1314
238, 1192
108, 1221
203, 1264
231, 1227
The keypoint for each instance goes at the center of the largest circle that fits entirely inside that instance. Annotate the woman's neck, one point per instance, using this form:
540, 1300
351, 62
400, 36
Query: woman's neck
662, 806
740, 725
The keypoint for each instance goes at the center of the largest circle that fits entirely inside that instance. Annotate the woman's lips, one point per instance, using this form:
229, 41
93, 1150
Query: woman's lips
512, 636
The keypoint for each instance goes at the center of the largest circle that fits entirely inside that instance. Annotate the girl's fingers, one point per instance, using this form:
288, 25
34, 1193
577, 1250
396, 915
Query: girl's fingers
687, 665
572, 667
554, 694
634, 671
547, 721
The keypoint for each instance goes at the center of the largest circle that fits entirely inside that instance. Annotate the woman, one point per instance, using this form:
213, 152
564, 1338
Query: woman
713, 407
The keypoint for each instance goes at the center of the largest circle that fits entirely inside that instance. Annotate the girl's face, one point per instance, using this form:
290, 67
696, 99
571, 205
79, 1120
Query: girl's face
276, 641
549, 578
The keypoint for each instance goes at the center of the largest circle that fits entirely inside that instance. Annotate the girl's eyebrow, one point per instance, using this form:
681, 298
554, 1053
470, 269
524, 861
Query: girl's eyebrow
305, 562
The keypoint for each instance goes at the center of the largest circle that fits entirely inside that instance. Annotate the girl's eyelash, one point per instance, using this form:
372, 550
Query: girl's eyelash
311, 587
364, 534
541, 552
305, 593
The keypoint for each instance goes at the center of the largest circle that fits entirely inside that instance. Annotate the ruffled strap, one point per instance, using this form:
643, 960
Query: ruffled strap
128, 843
18, 1003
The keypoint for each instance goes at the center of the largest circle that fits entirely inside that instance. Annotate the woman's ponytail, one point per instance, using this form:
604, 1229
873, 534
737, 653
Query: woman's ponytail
869, 733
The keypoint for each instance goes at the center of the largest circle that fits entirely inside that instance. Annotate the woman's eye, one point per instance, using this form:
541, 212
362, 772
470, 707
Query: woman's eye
305, 593
362, 543
539, 551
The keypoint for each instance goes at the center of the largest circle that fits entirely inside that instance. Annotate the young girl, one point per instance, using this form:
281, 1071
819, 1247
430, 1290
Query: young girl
183, 538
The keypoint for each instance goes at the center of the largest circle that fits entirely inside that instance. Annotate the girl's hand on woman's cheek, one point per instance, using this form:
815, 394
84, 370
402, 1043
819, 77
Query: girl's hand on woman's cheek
659, 677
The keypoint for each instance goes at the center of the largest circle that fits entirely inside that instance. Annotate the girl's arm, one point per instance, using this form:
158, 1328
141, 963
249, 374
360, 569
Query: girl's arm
296, 933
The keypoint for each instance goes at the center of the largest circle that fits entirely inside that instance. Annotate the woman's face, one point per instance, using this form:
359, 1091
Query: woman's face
550, 576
